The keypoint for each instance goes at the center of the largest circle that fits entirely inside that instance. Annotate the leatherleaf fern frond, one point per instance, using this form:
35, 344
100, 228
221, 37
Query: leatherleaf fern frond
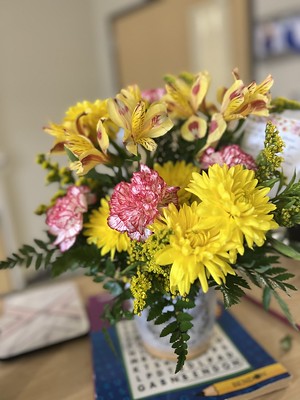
40, 254
265, 272
173, 313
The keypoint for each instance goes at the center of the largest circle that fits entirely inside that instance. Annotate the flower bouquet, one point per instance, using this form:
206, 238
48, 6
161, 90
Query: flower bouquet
160, 200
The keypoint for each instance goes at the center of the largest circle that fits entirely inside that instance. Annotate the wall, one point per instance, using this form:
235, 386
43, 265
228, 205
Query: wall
171, 36
53, 54
285, 67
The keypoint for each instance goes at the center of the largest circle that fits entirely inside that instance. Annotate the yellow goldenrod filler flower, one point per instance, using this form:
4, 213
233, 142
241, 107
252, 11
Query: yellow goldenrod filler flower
184, 99
177, 174
144, 253
139, 285
193, 252
141, 122
100, 234
231, 200
268, 160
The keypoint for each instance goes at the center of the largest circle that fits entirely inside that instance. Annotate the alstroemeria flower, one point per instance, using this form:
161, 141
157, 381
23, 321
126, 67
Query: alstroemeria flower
82, 119
65, 218
88, 155
135, 205
141, 122
230, 155
184, 99
239, 100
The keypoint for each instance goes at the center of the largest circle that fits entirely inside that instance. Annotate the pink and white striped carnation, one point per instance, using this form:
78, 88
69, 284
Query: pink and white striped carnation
230, 155
135, 205
65, 218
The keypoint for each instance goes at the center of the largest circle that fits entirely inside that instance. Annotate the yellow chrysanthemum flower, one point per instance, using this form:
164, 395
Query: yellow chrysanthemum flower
177, 174
231, 200
194, 252
100, 234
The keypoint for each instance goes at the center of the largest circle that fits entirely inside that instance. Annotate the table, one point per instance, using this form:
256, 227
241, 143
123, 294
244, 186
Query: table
64, 371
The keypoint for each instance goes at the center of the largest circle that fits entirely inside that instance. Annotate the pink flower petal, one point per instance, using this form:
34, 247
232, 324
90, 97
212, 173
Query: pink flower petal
135, 205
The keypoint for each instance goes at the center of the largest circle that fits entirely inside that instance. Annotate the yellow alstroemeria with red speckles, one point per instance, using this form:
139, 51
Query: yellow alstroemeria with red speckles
237, 103
88, 155
184, 98
141, 122
59, 133
185, 94
82, 119
239, 100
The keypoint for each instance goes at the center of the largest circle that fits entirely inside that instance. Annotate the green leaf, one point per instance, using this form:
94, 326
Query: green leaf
28, 261
284, 307
42, 245
109, 341
164, 317
267, 298
180, 363
285, 249
39, 260
182, 304
99, 278
70, 155
169, 329
182, 316
286, 343
110, 268
185, 326
175, 336
113, 287
155, 311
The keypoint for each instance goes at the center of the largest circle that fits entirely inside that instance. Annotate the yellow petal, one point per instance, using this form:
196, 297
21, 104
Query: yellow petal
102, 137
194, 128
131, 147
119, 113
199, 90
138, 117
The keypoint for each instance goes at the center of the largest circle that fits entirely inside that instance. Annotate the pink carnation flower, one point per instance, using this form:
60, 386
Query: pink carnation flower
65, 218
153, 95
135, 205
230, 155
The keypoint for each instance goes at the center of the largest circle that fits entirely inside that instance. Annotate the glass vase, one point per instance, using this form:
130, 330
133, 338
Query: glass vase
204, 316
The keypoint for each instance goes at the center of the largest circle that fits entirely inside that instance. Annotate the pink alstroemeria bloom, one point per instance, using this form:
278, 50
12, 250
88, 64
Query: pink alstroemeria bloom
153, 95
135, 205
230, 155
65, 218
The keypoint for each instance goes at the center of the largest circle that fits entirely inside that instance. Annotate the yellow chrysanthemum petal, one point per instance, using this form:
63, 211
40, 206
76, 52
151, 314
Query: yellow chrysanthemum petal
231, 200
100, 234
177, 174
194, 251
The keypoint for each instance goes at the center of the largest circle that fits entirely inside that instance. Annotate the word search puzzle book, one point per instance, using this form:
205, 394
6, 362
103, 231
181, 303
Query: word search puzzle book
235, 366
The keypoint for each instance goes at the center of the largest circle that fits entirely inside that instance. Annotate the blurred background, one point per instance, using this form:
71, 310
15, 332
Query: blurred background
55, 53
